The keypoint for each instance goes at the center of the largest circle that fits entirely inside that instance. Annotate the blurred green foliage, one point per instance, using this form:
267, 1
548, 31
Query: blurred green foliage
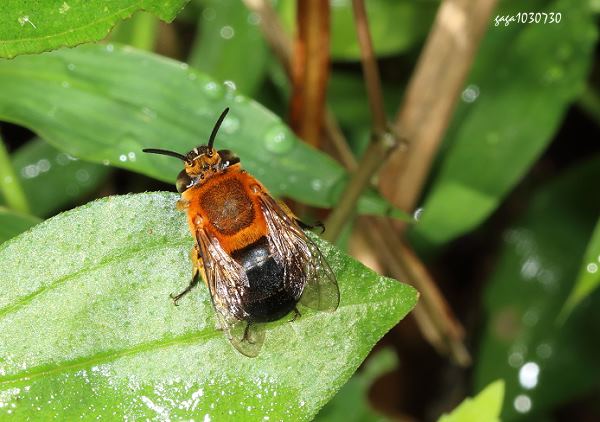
543, 360
95, 107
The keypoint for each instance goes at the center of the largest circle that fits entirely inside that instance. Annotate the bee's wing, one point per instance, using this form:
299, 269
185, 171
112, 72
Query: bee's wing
225, 277
302, 259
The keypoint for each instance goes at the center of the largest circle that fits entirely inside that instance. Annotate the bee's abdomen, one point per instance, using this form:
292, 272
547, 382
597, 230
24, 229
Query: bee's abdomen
266, 298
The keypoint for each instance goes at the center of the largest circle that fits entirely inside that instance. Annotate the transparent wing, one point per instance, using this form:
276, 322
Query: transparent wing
225, 279
306, 271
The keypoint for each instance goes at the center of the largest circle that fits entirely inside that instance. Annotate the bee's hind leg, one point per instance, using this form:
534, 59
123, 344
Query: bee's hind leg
195, 277
305, 226
297, 314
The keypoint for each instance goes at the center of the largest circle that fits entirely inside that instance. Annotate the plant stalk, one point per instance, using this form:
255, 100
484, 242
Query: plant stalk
9, 183
371, 162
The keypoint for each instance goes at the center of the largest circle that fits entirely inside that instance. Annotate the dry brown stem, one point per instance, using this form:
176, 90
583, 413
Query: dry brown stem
432, 94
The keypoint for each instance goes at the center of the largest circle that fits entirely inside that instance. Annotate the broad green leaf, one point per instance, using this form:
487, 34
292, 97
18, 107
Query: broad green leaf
98, 103
53, 179
485, 407
230, 46
543, 362
351, 403
589, 276
87, 327
524, 79
13, 223
32, 26
395, 25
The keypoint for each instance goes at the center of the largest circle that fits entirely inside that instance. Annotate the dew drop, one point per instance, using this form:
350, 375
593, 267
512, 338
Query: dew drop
71, 66
82, 176
183, 66
65, 84
110, 48
213, 90
522, 403
592, 268
122, 157
316, 184
417, 214
544, 350
231, 124
227, 32
470, 94
230, 85
253, 18
528, 375
278, 141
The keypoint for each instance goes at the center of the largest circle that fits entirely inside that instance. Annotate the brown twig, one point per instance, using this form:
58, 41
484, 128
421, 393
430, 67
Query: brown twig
432, 94
382, 140
310, 70
437, 334
370, 68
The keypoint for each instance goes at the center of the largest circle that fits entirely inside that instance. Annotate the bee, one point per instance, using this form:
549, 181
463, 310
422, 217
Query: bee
250, 250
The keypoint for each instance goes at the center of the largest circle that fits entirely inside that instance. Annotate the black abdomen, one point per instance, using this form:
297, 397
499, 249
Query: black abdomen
266, 298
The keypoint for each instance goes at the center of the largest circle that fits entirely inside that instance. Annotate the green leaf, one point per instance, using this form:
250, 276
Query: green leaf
230, 45
525, 76
351, 403
88, 328
53, 179
395, 25
544, 363
589, 276
485, 407
31, 26
13, 223
98, 103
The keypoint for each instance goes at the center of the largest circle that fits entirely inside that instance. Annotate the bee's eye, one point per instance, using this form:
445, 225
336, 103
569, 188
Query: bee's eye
228, 157
183, 181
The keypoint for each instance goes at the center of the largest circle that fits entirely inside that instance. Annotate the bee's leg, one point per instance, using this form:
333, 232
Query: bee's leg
296, 314
182, 204
310, 227
302, 225
247, 337
195, 276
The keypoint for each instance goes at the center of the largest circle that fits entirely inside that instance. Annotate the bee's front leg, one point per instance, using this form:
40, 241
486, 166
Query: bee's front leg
182, 205
195, 256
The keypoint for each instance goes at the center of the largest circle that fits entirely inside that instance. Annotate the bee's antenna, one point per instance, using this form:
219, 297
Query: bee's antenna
211, 140
165, 152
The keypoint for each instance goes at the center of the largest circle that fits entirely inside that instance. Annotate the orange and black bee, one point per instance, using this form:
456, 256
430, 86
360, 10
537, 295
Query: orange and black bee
249, 248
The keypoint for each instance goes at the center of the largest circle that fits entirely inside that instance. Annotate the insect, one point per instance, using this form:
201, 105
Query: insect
249, 249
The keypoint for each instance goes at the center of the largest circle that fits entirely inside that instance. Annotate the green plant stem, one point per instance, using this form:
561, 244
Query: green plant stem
383, 141
140, 31
372, 160
9, 183
143, 32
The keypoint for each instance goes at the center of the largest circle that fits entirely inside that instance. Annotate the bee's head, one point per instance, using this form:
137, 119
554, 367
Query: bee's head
201, 162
